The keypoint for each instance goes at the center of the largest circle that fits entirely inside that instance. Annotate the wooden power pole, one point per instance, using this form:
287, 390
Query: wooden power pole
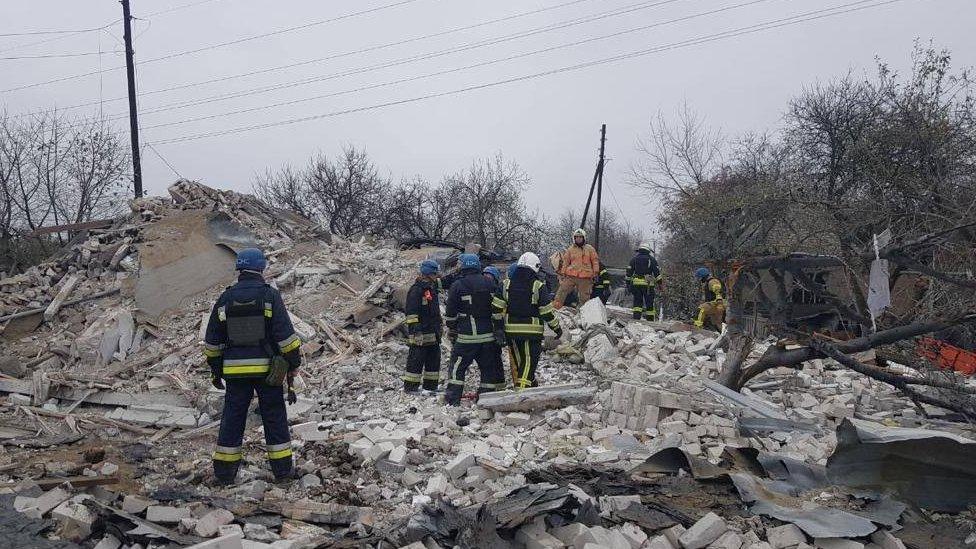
599, 185
596, 186
130, 73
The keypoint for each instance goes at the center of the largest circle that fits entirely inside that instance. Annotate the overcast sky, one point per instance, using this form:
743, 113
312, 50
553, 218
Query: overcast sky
548, 124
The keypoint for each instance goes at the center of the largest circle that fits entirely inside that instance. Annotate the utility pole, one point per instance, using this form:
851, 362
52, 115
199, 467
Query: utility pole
130, 73
599, 184
596, 185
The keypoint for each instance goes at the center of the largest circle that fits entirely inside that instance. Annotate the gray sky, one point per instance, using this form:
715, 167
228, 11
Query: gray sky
548, 124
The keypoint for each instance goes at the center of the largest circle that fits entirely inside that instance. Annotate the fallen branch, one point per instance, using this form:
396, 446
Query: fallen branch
775, 356
903, 383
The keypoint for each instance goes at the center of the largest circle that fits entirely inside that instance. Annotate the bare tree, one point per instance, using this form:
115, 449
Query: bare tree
54, 171
618, 237
856, 157
348, 194
492, 210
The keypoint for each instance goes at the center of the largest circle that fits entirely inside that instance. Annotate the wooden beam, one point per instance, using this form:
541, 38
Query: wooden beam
78, 482
29, 312
84, 226
58, 302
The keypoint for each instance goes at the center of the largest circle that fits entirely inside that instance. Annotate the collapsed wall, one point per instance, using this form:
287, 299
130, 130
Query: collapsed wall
109, 418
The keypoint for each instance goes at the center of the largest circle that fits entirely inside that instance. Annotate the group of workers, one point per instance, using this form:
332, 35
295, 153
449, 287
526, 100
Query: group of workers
252, 348
484, 314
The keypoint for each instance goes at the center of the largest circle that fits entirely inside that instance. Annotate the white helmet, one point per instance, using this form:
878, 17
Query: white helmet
644, 246
531, 261
579, 232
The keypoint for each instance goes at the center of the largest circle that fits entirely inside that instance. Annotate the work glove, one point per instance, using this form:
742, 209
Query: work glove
216, 376
500, 337
559, 332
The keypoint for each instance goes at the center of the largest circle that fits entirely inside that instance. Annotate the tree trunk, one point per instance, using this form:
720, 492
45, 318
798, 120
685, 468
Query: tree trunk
740, 342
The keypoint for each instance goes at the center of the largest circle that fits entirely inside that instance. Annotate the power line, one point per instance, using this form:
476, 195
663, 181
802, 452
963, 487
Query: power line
56, 38
58, 55
335, 56
426, 56
36, 33
178, 8
168, 165
453, 70
751, 29
103, 27
219, 45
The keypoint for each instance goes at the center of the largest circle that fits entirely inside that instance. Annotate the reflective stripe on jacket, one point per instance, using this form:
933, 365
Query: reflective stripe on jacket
251, 360
468, 311
525, 305
580, 262
643, 270
423, 313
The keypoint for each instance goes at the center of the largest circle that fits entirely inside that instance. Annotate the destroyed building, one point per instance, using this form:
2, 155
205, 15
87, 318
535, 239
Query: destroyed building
108, 419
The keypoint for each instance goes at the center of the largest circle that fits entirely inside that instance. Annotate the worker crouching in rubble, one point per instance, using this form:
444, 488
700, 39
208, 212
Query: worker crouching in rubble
476, 335
424, 329
524, 304
252, 346
711, 313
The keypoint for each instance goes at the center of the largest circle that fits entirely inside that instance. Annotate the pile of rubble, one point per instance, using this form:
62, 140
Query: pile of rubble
109, 418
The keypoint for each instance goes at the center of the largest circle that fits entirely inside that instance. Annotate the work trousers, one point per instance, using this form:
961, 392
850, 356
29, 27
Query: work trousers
525, 355
583, 287
271, 402
423, 365
489, 359
711, 315
643, 302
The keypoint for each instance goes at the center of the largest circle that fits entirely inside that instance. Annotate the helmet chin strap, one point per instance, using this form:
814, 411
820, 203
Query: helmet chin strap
252, 271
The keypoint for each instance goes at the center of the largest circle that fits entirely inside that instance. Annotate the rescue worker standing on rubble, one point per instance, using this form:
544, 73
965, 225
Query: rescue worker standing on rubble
711, 313
578, 267
251, 345
643, 276
524, 304
424, 328
602, 287
476, 332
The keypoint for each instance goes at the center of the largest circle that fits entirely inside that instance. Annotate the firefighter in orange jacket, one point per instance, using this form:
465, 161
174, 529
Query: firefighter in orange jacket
579, 266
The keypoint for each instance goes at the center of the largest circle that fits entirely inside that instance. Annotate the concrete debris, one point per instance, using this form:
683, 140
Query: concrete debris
106, 349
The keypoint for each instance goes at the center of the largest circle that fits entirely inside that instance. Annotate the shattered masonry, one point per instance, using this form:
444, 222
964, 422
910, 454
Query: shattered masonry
107, 418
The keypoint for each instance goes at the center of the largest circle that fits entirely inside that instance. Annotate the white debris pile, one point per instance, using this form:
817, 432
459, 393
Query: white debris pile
109, 416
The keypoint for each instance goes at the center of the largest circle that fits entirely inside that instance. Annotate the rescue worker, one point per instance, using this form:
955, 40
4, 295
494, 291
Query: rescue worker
602, 286
511, 269
643, 275
711, 313
493, 275
250, 342
579, 265
424, 328
476, 333
525, 306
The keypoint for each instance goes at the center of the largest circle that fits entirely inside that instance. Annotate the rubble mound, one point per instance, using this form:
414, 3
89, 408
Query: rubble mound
108, 418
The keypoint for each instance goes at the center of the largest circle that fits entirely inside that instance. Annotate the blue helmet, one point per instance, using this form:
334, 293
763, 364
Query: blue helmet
429, 267
251, 259
701, 273
493, 271
511, 269
469, 261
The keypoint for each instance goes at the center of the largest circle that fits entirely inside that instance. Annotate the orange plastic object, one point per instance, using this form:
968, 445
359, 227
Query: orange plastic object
947, 357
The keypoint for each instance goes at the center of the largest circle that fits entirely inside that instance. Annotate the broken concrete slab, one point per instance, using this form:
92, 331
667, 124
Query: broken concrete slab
536, 398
